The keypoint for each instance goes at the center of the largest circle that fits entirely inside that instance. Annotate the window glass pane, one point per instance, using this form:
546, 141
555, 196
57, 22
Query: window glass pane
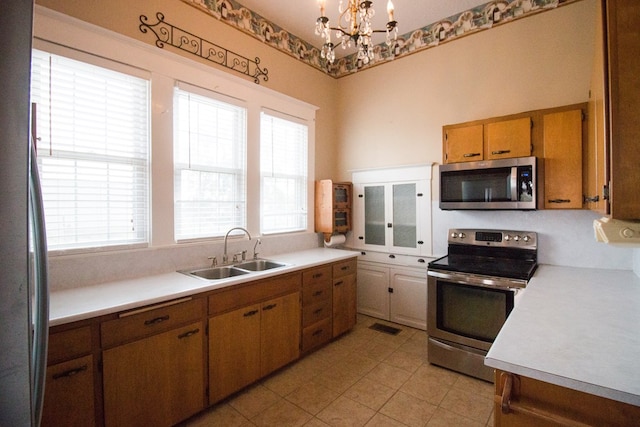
92, 125
209, 166
283, 174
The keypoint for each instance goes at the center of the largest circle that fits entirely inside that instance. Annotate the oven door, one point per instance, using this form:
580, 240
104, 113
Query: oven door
466, 312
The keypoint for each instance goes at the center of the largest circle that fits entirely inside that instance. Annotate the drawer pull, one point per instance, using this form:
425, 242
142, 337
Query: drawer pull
316, 333
250, 313
338, 283
344, 268
157, 320
269, 307
70, 372
318, 311
559, 200
188, 334
317, 275
317, 293
471, 155
507, 406
501, 152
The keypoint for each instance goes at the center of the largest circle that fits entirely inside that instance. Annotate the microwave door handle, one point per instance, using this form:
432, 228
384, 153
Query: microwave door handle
514, 184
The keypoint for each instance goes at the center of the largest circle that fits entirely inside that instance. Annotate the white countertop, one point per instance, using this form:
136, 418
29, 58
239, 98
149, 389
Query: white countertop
578, 328
71, 305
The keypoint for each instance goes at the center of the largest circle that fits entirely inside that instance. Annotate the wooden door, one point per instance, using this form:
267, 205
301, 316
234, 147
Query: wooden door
69, 396
508, 138
280, 332
234, 351
463, 144
155, 381
344, 304
562, 140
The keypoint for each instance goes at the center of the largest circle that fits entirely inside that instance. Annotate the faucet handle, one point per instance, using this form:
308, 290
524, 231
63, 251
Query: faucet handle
236, 255
255, 254
214, 261
244, 255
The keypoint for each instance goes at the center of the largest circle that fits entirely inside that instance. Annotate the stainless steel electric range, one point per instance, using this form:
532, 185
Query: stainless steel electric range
472, 290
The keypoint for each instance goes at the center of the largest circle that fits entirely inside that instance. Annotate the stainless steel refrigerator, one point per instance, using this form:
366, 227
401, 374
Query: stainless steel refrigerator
23, 264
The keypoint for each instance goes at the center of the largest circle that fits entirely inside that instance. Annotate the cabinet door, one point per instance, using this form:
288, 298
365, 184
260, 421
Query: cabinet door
508, 138
373, 290
463, 144
155, 381
562, 139
404, 216
280, 332
408, 298
344, 304
69, 396
234, 351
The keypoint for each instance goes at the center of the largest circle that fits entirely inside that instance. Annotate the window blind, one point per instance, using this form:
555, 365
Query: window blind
283, 173
209, 164
92, 125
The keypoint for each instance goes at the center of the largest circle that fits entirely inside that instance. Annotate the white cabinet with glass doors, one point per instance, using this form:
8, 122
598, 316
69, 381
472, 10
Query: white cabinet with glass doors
391, 210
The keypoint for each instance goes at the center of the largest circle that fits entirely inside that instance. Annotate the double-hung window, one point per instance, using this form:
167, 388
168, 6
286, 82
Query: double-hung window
209, 163
92, 131
283, 173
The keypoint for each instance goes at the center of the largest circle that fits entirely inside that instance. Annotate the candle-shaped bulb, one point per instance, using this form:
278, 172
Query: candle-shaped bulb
390, 10
321, 3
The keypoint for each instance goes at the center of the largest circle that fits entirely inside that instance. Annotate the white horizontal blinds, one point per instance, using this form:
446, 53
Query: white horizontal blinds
209, 164
93, 152
283, 173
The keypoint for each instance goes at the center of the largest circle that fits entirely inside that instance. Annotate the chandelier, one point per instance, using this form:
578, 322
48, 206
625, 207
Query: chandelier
354, 28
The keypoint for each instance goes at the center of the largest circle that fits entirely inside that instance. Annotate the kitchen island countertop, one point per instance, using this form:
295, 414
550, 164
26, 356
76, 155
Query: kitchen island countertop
578, 328
71, 305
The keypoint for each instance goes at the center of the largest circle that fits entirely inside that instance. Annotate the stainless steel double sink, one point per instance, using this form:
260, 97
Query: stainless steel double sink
226, 271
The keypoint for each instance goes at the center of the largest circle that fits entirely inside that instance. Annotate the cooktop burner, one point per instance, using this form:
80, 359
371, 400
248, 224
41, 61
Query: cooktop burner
497, 253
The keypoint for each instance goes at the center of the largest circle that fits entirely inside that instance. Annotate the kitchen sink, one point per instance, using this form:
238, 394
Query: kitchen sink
259, 265
227, 271
216, 273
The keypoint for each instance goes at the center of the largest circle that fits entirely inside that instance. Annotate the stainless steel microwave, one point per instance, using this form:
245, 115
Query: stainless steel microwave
491, 184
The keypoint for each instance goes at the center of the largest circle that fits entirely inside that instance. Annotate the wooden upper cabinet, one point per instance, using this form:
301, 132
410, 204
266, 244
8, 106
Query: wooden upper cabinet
623, 66
562, 141
508, 138
463, 144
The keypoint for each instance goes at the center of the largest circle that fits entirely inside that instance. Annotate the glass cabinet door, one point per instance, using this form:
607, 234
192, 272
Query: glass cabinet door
374, 215
404, 215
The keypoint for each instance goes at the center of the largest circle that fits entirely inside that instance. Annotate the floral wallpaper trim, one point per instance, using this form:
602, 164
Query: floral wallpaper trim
479, 18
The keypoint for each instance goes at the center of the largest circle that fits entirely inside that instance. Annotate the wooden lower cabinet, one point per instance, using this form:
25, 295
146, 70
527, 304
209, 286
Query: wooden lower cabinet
251, 342
157, 380
344, 296
526, 402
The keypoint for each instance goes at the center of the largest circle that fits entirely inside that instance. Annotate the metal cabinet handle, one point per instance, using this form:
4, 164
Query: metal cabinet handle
344, 268
559, 200
157, 320
317, 293
250, 313
594, 199
467, 155
70, 372
500, 152
318, 311
188, 334
317, 275
316, 333
269, 307
338, 283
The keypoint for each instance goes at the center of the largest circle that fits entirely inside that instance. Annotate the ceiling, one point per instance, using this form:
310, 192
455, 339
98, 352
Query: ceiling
299, 17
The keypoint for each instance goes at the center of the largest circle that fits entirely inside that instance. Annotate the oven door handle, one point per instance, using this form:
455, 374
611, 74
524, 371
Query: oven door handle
477, 280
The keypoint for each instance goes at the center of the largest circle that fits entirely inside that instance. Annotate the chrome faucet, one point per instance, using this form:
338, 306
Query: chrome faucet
225, 257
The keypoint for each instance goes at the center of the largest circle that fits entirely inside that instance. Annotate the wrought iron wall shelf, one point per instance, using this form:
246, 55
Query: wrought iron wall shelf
170, 34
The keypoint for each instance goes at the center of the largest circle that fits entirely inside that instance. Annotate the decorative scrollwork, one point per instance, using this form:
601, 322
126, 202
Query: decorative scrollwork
170, 34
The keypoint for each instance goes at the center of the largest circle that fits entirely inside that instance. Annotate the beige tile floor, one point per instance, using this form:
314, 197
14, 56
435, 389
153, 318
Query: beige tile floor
364, 378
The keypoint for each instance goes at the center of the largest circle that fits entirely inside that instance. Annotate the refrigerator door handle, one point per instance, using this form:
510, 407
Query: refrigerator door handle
41, 290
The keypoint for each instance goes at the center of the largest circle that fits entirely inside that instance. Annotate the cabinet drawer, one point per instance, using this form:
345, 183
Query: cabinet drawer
69, 344
150, 320
316, 312
240, 296
316, 292
341, 269
315, 335
316, 276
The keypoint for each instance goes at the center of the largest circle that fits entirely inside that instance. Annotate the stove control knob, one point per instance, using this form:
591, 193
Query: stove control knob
462, 235
516, 238
526, 238
507, 237
627, 233
454, 235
